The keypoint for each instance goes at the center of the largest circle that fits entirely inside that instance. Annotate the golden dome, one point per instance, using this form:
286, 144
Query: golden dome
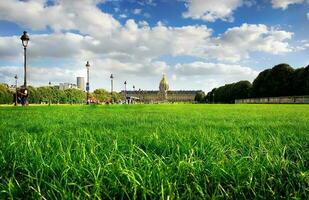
163, 84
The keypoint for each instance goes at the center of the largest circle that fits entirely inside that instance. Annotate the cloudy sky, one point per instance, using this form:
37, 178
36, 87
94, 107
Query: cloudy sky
198, 44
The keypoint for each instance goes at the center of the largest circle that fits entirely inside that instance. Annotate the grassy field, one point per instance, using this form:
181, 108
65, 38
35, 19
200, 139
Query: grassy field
155, 152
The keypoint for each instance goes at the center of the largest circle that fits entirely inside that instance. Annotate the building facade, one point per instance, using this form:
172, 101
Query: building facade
163, 94
65, 86
81, 83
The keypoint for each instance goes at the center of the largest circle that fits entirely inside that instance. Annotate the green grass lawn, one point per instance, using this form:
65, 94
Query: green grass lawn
155, 151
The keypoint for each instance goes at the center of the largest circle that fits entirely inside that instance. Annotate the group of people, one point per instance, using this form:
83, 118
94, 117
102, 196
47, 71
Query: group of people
22, 96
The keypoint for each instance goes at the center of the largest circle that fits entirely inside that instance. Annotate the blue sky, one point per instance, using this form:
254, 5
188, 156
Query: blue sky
198, 44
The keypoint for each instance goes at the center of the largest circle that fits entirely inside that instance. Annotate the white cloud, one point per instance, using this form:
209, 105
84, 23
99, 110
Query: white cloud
123, 16
133, 48
146, 15
302, 45
146, 2
210, 69
211, 10
210, 75
283, 4
135, 40
65, 15
144, 68
139, 42
37, 75
137, 11
10, 47
236, 43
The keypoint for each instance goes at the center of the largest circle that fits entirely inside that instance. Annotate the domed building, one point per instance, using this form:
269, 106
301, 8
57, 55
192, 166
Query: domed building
163, 88
163, 94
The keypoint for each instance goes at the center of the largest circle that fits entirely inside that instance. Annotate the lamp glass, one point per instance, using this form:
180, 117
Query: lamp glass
25, 43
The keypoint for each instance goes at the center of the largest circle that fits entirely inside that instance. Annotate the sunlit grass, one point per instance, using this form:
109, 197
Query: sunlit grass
155, 151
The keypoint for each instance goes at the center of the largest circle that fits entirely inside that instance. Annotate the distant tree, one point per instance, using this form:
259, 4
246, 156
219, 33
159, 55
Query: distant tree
61, 96
261, 84
55, 95
223, 94
34, 95
300, 81
116, 97
200, 97
281, 80
44, 94
210, 96
74, 96
102, 95
274, 82
230, 92
242, 90
6, 96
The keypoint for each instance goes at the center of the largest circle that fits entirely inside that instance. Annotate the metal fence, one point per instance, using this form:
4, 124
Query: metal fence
275, 100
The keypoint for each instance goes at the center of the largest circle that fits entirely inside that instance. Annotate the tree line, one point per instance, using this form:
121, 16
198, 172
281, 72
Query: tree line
281, 80
44, 95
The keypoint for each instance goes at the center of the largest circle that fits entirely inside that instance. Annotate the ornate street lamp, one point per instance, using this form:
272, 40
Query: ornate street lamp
112, 86
133, 88
49, 96
25, 39
125, 87
16, 93
87, 84
125, 91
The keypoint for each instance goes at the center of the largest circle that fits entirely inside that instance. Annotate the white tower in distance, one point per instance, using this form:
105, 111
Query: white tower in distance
81, 83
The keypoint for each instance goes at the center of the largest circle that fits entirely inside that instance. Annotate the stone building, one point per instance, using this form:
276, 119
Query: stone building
163, 94
80, 82
65, 86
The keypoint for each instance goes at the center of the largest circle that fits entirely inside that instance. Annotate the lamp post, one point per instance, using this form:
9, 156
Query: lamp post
133, 88
125, 91
16, 90
87, 84
125, 87
112, 83
140, 94
25, 39
49, 96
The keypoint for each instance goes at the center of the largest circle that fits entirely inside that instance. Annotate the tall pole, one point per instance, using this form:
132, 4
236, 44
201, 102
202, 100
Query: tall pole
49, 96
87, 84
25, 67
25, 39
125, 87
112, 83
15, 90
112, 87
125, 91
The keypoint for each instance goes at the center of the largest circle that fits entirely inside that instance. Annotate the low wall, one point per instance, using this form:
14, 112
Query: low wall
275, 100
